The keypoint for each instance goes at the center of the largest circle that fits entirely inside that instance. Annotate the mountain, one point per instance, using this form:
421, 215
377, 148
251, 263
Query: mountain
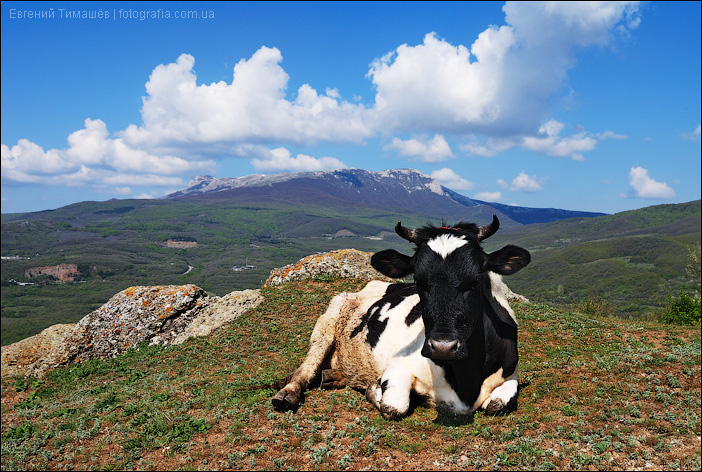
228, 234
398, 189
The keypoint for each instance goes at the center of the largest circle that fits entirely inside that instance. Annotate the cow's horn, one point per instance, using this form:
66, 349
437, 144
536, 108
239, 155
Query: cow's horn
406, 233
489, 230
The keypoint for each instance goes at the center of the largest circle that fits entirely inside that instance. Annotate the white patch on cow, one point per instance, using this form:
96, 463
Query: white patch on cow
497, 288
408, 370
445, 244
396, 333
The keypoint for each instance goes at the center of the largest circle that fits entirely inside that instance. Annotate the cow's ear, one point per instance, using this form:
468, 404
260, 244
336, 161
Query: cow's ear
392, 263
508, 260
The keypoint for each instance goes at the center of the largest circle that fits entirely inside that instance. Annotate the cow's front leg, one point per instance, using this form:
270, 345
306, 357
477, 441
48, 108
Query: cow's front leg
503, 399
391, 396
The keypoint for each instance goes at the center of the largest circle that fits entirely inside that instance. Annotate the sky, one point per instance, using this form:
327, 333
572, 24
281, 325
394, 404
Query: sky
591, 106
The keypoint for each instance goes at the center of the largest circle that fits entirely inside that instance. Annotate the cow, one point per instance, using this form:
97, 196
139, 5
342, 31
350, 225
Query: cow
450, 336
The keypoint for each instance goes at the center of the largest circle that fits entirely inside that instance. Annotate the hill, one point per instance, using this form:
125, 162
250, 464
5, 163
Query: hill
219, 234
206, 403
223, 237
628, 262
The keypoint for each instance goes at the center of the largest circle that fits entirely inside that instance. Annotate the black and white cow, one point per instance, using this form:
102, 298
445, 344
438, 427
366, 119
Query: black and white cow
450, 336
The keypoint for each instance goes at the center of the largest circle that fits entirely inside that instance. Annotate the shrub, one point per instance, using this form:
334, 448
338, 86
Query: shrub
683, 310
596, 307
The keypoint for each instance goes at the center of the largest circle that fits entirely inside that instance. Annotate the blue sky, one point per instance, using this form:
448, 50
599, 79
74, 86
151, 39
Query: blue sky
581, 106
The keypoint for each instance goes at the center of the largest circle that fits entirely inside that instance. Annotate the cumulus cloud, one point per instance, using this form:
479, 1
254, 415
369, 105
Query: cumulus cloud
525, 183
435, 149
549, 142
458, 89
252, 108
448, 178
694, 136
93, 158
281, 160
488, 196
644, 186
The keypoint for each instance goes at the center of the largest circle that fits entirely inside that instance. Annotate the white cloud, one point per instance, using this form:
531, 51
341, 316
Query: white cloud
280, 159
525, 183
448, 178
252, 108
553, 145
644, 186
477, 150
436, 86
94, 159
611, 135
435, 149
504, 83
499, 88
488, 196
694, 136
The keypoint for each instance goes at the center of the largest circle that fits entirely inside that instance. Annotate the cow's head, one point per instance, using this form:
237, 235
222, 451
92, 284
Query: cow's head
449, 267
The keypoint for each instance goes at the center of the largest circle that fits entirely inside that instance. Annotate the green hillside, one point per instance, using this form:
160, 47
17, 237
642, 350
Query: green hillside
205, 404
119, 244
632, 260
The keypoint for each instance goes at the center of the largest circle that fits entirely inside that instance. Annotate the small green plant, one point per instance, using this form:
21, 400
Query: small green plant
596, 307
684, 310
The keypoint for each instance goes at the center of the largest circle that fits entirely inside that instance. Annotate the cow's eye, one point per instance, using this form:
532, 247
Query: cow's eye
466, 286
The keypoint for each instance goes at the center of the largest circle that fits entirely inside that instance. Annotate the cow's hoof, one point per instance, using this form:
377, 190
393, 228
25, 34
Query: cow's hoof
499, 407
285, 399
495, 407
332, 379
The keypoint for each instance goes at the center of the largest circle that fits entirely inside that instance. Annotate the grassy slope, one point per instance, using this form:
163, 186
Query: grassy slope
118, 245
631, 259
595, 394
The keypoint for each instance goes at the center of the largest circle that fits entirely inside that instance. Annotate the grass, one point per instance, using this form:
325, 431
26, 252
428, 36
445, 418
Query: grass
595, 393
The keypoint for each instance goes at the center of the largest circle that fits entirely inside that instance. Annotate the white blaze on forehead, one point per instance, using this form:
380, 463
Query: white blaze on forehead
446, 244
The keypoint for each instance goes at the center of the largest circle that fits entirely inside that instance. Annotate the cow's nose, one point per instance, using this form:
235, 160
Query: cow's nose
443, 349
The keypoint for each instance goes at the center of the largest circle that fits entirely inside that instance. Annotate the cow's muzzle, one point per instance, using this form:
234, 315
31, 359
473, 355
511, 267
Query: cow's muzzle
442, 348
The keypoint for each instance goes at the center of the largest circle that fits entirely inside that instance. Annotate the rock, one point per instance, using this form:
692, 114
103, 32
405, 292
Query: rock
28, 356
221, 311
342, 263
513, 297
166, 314
153, 314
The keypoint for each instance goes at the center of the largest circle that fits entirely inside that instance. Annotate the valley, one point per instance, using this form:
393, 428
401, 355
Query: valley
632, 259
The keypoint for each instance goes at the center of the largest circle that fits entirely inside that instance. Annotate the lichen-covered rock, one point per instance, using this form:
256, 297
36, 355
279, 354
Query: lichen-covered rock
166, 314
156, 314
28, 356
342, 263
220, 312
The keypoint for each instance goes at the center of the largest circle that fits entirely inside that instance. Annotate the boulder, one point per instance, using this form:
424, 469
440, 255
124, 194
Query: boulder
166, 315
342, 263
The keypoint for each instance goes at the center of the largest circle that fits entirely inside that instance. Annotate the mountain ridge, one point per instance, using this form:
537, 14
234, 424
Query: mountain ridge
406, 189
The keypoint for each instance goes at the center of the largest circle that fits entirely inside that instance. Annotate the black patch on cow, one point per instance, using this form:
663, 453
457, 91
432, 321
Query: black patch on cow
414, 314
375, 328
394, 295
492, 346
